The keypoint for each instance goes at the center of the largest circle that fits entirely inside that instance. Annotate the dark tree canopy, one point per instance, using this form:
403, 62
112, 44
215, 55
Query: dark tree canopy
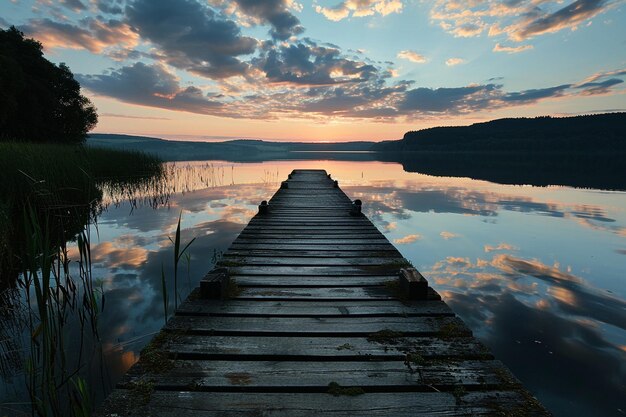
39, 101
590, 133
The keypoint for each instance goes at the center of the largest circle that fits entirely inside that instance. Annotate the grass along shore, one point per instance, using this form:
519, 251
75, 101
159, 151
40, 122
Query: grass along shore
58, 181
50, 195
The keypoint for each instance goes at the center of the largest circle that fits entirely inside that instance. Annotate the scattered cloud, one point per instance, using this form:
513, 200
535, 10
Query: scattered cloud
109, 6
90, 34
412, 56
192, 36
453, 100
308, 63
157, 43
511, 49
276, 13
448, 235
407, 239
515, 20
501, 246
360, 8
451, 62
75, 5
150, 85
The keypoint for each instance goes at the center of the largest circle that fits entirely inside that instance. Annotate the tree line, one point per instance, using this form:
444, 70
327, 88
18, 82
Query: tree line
589, 133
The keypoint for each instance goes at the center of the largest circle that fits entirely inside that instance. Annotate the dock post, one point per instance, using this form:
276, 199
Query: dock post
214, 285
264, 208
412, 284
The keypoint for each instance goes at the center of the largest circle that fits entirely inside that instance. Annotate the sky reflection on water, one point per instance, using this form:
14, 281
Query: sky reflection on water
536, 273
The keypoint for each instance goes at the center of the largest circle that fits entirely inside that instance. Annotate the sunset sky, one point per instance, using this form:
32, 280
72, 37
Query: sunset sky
330, 70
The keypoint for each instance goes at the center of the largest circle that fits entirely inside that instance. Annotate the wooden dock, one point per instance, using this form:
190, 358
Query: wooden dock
314, 311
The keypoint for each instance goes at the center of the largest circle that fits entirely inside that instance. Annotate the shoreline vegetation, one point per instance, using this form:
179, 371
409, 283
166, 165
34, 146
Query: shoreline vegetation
52, 195
62, 183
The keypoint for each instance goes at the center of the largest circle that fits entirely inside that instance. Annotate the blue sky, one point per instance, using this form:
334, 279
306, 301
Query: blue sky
330, 70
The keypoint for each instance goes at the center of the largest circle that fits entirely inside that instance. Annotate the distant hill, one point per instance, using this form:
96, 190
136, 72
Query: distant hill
234, 150
593, 133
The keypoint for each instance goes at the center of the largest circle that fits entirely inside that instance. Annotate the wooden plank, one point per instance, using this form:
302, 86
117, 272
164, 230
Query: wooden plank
299, 241
309, 221
284, 253
290, 376
311, 261
317, 293
312, 231
328, 236
314, 308
401, 404
264, 348
322, 326
311, 228
270, 282
314, 270
312, 246
313, 281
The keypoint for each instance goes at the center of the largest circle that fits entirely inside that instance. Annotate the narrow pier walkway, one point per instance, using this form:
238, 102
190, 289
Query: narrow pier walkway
314, 312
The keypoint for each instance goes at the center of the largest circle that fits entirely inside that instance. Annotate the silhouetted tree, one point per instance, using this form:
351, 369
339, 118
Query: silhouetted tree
39, 101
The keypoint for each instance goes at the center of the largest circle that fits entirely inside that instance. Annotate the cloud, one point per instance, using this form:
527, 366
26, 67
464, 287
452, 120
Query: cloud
515, 20
150, 85
407, 239
191, 36
511, 49
275, 13
454, 100
90, 34
412, 56
531, 96
568, 17
599, 87
307, 63
451, 62
75, 5
360, 8
110, 6
448, 235
501, 246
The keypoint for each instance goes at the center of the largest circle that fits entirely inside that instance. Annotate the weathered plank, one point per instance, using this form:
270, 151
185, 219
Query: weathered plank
299, 253
195, 404
381, 262
315, 308
312, 245
314, 270
327, 281
329, 236
290, 376
264, 348
321, 326
316, 293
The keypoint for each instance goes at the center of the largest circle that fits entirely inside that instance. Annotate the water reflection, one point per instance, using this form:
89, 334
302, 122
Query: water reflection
537, 273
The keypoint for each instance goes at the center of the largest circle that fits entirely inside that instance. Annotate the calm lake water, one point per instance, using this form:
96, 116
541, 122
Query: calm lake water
538, 273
